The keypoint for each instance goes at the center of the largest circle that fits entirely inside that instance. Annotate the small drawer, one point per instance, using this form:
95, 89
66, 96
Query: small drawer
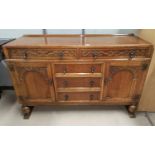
58, 54
78, 82
78, 68
123, 53
78, 96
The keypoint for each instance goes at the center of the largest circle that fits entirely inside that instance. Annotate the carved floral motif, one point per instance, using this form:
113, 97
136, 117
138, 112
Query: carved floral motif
111, 53
20, 53
24, 70
115, 69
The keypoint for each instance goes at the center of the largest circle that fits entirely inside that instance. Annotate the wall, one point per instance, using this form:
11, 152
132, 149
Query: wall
64, 31
111, 31
147, 102
15, 33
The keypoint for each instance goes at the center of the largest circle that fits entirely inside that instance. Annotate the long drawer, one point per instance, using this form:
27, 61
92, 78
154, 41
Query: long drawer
119, 53
78, 96
57, 54
77, 68
78, 82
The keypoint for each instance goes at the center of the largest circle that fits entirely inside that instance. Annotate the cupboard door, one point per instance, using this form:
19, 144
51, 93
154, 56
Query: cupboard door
34, 82
124, 81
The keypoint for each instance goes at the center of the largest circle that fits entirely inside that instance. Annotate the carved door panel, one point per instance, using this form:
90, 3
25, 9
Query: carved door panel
124, 81
34, 82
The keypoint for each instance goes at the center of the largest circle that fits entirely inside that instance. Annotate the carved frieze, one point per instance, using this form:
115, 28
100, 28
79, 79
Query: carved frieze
34, 53
57, 53
112, 53
11, 67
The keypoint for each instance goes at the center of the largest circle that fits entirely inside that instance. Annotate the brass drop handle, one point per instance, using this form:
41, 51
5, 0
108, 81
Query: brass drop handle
94, 54
93, 69
66, 97
65, 83
91, 97
132, 54
91, 83
65, 70
61, 55
25, 55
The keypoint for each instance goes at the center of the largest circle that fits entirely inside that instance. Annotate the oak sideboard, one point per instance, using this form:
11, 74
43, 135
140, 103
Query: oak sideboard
81, 70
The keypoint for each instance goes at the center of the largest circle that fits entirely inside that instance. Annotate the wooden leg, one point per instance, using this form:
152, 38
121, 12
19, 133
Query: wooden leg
27, 110
131, 110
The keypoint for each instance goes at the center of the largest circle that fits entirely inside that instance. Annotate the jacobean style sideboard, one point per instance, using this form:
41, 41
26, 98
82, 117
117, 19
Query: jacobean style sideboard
78, 70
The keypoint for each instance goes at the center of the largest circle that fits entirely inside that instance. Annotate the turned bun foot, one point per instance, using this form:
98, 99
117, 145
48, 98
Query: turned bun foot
132, 108
132, 115
27, 110
131, 111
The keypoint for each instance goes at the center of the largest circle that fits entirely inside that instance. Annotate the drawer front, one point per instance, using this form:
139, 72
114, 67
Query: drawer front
42, 54
77, 68
78, 82
103, 53
80, 96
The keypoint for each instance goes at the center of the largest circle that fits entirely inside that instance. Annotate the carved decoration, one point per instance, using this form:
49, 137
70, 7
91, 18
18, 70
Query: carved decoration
111, 53
23, 70
115, 69
11, 67
20, 53
144, 66
17, 53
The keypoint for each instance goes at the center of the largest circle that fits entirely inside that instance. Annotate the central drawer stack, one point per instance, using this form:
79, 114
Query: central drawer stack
78, 82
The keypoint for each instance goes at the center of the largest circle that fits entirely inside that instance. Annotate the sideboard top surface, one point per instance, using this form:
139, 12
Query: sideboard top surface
83, 41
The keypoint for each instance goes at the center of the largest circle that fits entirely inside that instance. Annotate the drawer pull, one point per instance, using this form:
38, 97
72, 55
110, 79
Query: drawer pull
91, 97
66, 97
25, 55
91, 83
132, 55
94, 54
61, 55
65, 70
65, 83
93, 69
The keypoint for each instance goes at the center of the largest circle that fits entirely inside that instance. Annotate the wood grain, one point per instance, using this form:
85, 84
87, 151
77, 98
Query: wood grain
78, 70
